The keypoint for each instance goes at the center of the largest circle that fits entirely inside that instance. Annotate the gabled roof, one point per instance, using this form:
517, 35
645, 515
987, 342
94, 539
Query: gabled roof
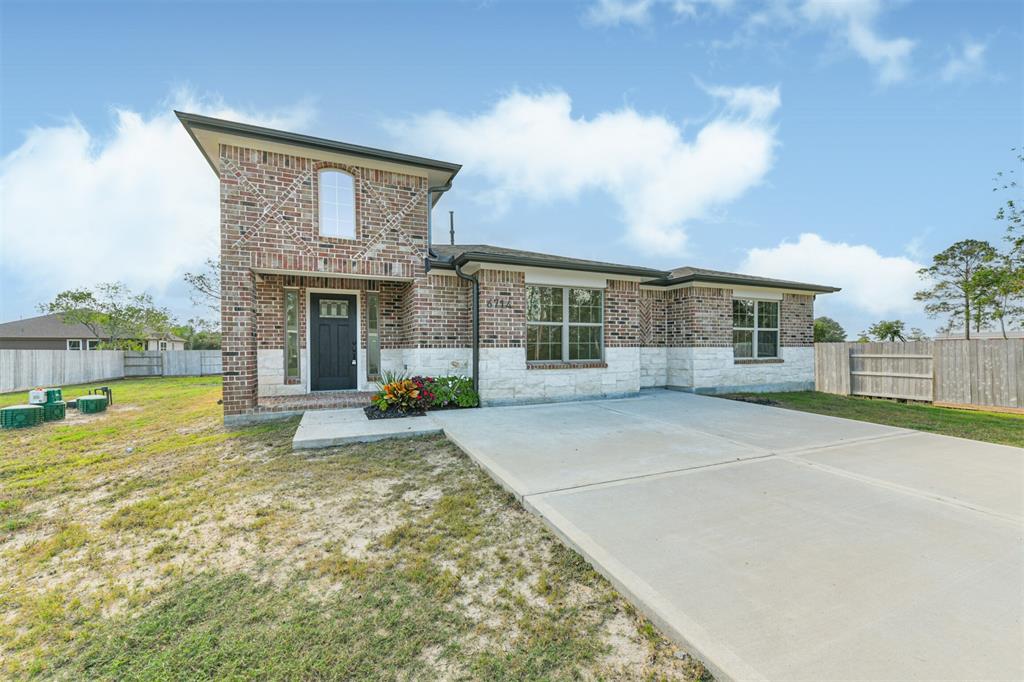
459, 254
50, 326
207, 132
53, 326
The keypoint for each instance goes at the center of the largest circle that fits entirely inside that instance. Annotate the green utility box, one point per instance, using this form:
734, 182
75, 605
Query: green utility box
53, 412
88, 404
41, 396
20, 416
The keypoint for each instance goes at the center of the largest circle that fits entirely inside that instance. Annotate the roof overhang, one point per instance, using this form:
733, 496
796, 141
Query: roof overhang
209, 133
739, 282
482, 258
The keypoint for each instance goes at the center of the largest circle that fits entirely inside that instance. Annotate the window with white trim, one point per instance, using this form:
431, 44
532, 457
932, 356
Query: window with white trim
291, 334
755, 328
92, 344
74, 344
337, 204
564, 324
163, 345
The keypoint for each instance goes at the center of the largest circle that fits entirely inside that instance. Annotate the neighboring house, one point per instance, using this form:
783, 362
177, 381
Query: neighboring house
50, 332
328, 278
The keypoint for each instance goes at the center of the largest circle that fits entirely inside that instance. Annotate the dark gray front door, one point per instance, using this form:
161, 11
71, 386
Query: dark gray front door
333, 343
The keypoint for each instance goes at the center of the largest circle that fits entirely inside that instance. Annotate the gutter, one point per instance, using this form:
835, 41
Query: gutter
476, 324
502, 259
430, 222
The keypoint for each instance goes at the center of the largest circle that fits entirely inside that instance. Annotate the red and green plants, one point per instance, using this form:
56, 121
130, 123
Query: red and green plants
403, 396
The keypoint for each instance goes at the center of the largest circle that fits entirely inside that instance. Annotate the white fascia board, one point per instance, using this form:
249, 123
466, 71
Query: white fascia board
745, 291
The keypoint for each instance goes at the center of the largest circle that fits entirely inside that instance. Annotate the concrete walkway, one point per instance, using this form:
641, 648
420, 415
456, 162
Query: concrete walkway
776, 544
327, 428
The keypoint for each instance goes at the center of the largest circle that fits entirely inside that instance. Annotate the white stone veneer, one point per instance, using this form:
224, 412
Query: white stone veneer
653, 367
504, 377
433, 362
270, 374
713, 370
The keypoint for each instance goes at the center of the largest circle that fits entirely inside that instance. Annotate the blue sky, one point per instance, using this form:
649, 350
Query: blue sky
839, 142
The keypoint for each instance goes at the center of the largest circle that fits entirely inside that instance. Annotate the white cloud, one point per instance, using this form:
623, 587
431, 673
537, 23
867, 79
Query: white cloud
855, 20
532, 146
639, 12
139, 205
966, 64
871, 282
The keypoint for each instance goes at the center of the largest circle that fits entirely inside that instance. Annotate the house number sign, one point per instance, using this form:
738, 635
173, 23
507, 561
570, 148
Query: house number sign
501, 303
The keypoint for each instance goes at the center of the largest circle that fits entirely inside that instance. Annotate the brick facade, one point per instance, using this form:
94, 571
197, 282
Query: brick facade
269, 225
796, 320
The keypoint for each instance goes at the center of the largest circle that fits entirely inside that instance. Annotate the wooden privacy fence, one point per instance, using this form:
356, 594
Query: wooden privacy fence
24, 369
171, 363
978, 373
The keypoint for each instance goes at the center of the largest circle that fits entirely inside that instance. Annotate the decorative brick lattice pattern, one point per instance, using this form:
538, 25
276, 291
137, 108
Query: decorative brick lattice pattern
653, 317
269, 220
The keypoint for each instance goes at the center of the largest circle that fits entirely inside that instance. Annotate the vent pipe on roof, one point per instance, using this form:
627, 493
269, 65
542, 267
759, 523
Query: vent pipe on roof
451, 227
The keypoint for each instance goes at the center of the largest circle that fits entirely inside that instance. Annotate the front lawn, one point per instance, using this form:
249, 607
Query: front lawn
993, 427
149, 542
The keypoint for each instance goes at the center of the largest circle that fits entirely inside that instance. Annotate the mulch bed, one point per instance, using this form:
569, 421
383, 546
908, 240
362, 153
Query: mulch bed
753, 399
373, 412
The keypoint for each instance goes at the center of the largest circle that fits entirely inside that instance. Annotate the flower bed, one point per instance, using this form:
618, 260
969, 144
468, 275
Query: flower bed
402, 396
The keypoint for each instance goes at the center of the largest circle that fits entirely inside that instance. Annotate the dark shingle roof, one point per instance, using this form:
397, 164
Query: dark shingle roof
52, 326
448, 255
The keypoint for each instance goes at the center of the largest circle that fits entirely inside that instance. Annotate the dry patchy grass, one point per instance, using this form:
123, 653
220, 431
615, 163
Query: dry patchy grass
150, 542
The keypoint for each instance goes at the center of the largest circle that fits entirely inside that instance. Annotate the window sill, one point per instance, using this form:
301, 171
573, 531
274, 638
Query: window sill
596, 365
758, 361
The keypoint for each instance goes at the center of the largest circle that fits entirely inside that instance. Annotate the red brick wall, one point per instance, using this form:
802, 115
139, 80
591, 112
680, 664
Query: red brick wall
443, 312
700, 317
502, 309
796, 320
653, 317
621, 314
269, 221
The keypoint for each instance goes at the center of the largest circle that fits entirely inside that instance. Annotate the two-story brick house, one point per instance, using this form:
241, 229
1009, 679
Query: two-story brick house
329, 276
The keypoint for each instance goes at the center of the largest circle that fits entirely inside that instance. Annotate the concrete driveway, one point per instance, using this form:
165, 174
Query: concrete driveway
776, 544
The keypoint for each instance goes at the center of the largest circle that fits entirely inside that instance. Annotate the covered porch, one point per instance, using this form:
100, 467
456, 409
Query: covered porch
319, 339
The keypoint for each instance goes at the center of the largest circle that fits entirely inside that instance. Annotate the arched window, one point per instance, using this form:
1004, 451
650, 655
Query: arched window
337, 204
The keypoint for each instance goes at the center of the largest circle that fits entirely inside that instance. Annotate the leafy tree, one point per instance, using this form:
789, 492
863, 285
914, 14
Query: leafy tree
204, 286
199, 334
1001, 288
111, 312
917, 334
887, 330
957, 289
1012, 212
828, 330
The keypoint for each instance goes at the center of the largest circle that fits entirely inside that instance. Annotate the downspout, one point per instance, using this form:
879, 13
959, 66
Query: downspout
430, 221
476, 323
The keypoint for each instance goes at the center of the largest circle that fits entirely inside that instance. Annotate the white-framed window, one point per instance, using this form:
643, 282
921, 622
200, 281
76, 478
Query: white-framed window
564, 324
337, 204
372, 332
92, 344
163, 345
74, 344
755, 328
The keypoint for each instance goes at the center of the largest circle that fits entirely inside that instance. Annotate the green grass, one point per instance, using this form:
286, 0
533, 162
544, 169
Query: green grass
149, 542
992, 427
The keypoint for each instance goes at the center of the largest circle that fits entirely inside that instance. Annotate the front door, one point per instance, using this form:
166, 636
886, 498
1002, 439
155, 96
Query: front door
333, 343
